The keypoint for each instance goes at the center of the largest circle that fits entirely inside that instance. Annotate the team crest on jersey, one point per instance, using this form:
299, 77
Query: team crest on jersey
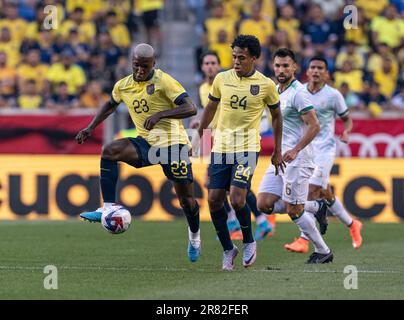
150, 89
254, 89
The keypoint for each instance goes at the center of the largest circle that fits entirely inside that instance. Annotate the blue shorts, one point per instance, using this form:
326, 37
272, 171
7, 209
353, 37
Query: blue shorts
234, 169
173, 159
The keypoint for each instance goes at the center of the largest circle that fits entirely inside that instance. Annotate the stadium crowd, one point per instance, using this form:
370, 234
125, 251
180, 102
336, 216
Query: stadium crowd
75, 62
366, 57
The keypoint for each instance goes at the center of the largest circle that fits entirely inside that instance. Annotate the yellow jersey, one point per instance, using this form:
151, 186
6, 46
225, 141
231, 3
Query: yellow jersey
242, 102
146, 98
204, 96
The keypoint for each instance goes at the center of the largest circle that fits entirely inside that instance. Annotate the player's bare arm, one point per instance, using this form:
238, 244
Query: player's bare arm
104, 112
207, 116
277, 127
348, 125
185, 110
313, 127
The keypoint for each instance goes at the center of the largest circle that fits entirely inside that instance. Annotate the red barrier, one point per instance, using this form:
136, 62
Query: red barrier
47, 134
373, 138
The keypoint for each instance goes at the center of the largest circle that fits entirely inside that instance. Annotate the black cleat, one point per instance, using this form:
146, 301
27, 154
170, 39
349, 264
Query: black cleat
321, 216
317, 258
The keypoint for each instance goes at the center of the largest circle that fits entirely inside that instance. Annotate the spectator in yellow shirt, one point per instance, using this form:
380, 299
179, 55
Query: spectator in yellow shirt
93, 97
118, 31
30, 99
91, 9
359, 35
217, 23
33, 69
386, 77
8, 77
16, 25
375, 60
388, 28
67, 72
257, 25
352, 77
290, 24
86, 29
352, 54
222, 48
150, 10
372, 8
12, 49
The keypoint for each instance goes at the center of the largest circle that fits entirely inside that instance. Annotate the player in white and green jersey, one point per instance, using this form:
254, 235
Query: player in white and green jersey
328, 103
300, 126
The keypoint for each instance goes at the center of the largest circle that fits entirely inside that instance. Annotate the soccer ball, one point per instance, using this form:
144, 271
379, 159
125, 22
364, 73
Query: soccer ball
116, 219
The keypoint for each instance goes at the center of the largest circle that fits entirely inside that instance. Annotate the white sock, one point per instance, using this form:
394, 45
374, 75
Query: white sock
108, 204
311, 206
308, 226
261, 218
338, 210
195, 238
231, 215
279, 207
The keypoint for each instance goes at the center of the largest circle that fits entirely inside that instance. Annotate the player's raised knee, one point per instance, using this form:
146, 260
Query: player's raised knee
113, 150
237, 201
187, 203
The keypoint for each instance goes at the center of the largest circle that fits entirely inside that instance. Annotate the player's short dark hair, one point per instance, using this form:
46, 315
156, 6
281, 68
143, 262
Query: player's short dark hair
285, 52
209, 53
250, 42
319, 58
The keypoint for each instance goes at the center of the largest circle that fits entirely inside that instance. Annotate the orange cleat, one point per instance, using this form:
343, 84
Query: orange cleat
272, 220
236, 235
300, 245
355, 232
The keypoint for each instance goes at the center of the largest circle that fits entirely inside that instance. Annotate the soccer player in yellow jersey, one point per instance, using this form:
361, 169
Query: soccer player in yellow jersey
241, 93
156, 104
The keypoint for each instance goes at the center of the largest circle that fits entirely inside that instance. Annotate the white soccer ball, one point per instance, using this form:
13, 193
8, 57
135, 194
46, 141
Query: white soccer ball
116, 219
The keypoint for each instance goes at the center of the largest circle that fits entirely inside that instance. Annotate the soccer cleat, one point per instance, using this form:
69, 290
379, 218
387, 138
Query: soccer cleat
194, 250
355, 232
300, 245
236, 235
321, 216
92, 216
318, 258
249, 254
263, 229
228, 258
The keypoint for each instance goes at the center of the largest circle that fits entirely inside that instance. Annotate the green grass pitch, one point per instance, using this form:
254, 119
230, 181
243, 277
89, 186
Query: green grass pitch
150, 262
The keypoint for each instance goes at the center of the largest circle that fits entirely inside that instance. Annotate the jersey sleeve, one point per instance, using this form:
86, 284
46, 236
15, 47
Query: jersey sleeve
215, 93
116, 93
272, 97
303, 102
340, 106
173, 90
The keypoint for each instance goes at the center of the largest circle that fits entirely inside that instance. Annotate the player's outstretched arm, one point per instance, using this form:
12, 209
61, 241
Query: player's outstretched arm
277, 128
102, 113
313, 127
185, 109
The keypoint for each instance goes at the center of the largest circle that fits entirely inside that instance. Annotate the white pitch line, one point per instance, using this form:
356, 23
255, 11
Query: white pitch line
95, 268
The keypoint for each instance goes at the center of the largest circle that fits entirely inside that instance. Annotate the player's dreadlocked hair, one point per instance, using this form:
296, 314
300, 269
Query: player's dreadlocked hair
250, 42
285, 52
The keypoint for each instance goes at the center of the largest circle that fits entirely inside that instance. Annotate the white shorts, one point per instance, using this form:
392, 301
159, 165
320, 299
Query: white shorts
292, 186
321, 175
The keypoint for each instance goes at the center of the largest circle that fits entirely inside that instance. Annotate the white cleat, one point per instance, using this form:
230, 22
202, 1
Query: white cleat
249, 254
228, 258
